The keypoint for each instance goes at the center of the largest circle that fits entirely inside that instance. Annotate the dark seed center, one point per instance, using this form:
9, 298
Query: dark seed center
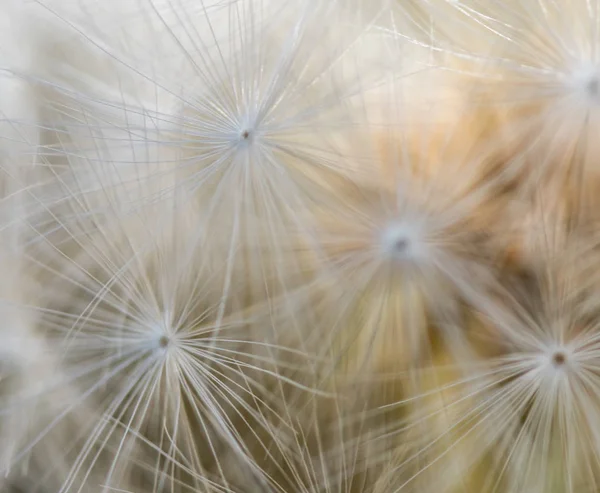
559, 359
593, 87
401, 245
163, 342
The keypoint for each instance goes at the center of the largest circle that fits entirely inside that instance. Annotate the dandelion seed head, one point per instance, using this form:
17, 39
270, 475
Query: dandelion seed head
557, 362
246, 138
584, 82
559, 359
403, 241
592, 87
163, 342
164, 334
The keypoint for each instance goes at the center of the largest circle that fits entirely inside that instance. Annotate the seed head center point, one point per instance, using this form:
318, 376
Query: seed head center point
559, 359
163, 342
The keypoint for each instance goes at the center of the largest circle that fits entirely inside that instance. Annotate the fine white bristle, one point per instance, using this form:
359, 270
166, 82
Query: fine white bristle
301, 246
